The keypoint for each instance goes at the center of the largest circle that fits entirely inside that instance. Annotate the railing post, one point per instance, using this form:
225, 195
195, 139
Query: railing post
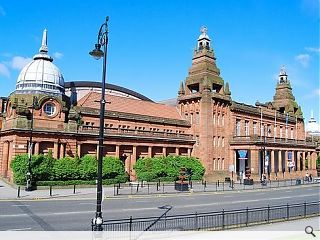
50, 191
216, 187
74, 189
287, 211
18, 195
162, 187
196, 222
157, 186
114, 189
268, 213
204, 186
148, 188
305, 209
118, 190
222, 218
247, 216
218, 182
137, 187
130, 224
131, 189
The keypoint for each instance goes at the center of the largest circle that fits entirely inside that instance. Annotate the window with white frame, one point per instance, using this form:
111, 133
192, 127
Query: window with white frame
246, 127
238, 127
255, 128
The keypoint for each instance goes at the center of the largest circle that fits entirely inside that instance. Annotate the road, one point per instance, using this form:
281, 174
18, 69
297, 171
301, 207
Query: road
75, 215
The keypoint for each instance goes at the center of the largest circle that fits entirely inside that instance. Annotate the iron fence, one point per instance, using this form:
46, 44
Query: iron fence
141, 188
215, 220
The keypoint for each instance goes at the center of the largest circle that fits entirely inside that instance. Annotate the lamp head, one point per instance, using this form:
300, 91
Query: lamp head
97, 53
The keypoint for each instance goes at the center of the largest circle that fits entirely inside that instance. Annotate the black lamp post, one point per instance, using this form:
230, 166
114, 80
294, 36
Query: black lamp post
97, 53
30, 181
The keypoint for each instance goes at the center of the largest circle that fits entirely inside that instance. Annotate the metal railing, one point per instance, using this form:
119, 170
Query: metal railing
216, 220
143, 188
136, 132
257, 139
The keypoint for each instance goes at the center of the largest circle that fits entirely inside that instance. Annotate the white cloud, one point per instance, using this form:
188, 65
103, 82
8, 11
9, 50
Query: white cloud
303, 59
313, 49
58, 55
2, 12
19, 62
4, 70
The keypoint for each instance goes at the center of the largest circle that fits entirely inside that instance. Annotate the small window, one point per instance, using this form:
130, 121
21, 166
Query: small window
49, 109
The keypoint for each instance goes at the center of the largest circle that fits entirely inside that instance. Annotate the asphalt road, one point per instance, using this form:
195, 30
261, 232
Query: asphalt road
75, 215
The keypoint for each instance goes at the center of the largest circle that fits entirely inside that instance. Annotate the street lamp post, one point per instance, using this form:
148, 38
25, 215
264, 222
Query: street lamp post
30, 182
97, 53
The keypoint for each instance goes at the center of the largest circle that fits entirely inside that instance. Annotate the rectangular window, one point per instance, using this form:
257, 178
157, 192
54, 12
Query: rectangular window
246, 127
255, 129
197, 140
197, 118
222, 164
269, 130
218, 122
214, 164
238, 127
218, 143
214, 141
191, 118
291, 135
214, 119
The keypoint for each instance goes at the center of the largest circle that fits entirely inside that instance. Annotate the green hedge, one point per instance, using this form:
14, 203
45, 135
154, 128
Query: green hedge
46, 168
167, 168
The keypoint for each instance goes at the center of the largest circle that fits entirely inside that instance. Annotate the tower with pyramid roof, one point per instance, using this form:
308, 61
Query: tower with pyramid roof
204, 100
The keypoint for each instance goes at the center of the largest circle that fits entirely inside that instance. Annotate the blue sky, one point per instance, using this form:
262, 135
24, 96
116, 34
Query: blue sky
151, 43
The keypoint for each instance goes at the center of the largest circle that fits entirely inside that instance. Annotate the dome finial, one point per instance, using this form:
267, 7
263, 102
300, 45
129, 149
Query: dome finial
44, 47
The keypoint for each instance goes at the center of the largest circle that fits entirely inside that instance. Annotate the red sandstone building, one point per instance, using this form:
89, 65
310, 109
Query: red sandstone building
203, 122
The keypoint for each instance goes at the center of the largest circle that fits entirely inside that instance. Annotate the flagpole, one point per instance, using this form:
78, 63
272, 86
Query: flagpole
275, 126
261, 123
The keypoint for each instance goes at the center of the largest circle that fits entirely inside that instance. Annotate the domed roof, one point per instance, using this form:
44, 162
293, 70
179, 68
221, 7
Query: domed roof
41, 74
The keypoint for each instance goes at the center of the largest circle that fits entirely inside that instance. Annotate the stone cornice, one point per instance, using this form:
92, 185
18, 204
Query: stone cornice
244, 108
132, 117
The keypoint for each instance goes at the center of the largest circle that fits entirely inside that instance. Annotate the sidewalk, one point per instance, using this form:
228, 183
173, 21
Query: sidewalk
8, 192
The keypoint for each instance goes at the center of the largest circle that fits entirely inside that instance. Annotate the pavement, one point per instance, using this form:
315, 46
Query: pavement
8, 192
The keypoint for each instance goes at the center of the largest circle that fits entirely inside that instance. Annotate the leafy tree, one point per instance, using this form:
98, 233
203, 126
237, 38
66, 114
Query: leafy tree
88, 167
167, 168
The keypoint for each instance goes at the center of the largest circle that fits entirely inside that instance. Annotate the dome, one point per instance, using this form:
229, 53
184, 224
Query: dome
41, 74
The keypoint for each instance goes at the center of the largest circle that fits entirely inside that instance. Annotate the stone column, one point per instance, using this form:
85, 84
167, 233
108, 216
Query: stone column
61, 150
55, 150
298, 160
5, 154
164, 151
303, 161
309, 162
97, 151
36, 148
280, 161
79, 150
189, 152
149, 151
272, 156
177, 151
313, 161
117, 151
133, 162
255, 161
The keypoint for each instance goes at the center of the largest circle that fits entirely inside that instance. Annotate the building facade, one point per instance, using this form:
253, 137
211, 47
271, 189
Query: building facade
227, 136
